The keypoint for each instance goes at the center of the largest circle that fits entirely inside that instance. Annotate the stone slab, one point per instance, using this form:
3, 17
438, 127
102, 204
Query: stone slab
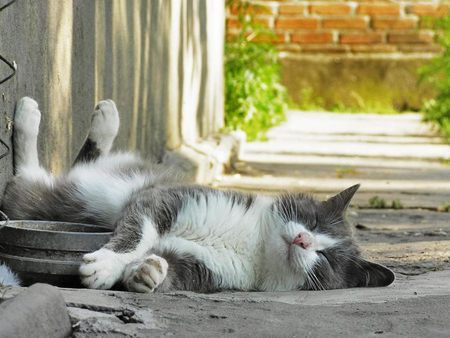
38, 311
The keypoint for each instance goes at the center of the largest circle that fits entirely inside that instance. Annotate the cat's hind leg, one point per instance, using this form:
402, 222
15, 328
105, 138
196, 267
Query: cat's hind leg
104, 127
26, 129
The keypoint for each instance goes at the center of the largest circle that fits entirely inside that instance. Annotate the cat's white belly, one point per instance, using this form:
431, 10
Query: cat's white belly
105, 193
236, 270
226, 237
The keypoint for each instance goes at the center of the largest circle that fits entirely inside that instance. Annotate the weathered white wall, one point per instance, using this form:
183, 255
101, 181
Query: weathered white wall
160, 60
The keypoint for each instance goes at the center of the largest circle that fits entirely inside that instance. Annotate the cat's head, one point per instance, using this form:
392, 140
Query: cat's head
312, 241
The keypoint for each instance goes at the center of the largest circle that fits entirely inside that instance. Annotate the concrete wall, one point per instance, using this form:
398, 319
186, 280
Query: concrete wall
160, 60
366, 82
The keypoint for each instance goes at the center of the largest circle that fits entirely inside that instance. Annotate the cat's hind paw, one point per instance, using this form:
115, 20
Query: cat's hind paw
101, 269
27, 117
147, 276
104, 124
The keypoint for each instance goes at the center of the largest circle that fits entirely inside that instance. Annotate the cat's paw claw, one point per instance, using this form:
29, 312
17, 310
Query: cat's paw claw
100, 269
149, 275
27, 116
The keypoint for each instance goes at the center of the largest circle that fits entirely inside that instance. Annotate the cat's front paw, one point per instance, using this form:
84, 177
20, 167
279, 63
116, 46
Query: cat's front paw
101, 269
147, 276
27, 117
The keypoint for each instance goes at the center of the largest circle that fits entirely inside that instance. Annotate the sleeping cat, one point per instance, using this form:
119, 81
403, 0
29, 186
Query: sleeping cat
172, 236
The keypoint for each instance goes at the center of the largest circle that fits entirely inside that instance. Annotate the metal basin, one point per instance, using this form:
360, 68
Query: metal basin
49, 252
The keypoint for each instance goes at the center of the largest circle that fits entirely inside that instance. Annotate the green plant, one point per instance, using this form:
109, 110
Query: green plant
254, 98
444, 161
341, 171
437, 73
445, 207
396, 204
311, 101
377, 202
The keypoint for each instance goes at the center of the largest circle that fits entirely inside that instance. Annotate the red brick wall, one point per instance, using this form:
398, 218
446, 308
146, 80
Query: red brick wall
360, 26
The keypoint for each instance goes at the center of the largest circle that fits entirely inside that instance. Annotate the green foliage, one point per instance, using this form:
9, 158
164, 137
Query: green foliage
396, 204
437, 72
341, 171
377, 202
380, 203
254, 98
309, 101
444, 161
445, 207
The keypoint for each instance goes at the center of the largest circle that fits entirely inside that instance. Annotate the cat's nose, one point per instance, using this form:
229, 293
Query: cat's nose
303, 240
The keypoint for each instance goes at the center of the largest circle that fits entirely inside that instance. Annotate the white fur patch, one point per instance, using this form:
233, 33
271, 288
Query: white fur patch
7, 277
105, 191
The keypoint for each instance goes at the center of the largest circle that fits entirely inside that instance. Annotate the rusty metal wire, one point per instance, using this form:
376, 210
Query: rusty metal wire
5, 218
7, 149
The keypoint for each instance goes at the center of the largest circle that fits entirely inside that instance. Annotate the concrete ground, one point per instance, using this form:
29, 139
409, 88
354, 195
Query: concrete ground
394, 158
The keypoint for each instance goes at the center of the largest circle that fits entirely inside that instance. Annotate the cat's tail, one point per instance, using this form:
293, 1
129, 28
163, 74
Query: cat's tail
7, 277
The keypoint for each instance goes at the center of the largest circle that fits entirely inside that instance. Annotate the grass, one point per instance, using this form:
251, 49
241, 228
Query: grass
444, 161
445, 207
311, 102
377, 202
380, 203
341, 171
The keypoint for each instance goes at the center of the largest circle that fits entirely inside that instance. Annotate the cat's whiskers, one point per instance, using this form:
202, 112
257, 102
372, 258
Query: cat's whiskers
317, 281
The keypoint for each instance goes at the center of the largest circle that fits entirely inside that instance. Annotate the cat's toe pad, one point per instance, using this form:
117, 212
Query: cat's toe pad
149, 275
27, 116
100, 269
105, 121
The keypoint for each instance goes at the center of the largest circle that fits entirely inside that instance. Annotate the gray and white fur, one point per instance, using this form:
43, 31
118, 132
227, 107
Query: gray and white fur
172, 236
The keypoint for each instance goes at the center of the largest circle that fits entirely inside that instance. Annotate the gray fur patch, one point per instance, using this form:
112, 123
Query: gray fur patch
187, 273
88, 153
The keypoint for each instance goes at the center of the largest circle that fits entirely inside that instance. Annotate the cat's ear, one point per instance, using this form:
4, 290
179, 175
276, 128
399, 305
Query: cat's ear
341, 201
371, 274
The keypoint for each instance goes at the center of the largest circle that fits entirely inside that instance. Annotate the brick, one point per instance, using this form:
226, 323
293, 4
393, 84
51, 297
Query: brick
378, 9
421, 37
312, 38
292, 9
428, 10
336, 8
360, 38
345, 23
298, 23
400, 23
233, 23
